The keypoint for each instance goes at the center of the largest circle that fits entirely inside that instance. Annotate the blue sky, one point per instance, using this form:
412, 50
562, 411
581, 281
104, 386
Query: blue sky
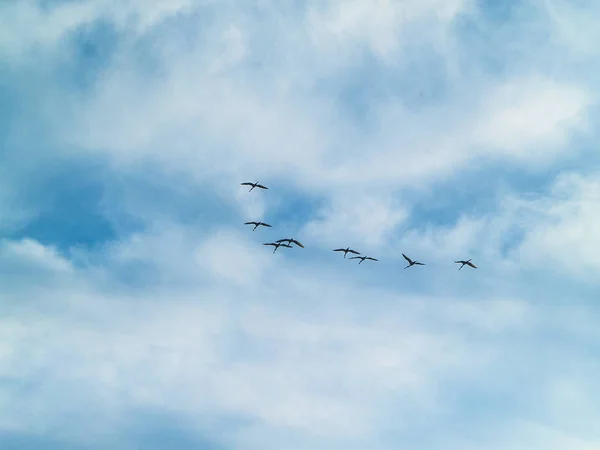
137, 311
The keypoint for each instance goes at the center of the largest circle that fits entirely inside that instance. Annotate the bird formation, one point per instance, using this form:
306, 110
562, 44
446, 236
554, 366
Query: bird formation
287, 242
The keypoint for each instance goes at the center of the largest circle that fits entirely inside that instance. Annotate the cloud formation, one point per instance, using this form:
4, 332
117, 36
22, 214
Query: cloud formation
138, 311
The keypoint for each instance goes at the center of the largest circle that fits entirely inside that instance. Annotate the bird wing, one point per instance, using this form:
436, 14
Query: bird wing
297, 243
419, 264
372, 259
339, 250
407, 258
472, 265
286, 245
354, 251
282, 240
261, 186
271, 243
246, 184
460, 262
250, 223
356, 257
265, 224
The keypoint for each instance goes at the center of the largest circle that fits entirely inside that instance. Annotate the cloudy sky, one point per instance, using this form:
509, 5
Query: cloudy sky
136, 309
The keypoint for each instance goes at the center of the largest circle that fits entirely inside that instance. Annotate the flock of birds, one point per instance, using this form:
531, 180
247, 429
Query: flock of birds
287, 242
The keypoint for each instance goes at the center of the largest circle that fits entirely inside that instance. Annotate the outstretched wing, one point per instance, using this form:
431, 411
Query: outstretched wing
354, 251
261, 186
283, 240
286, 245
271, 243
250, 223
407, 258
460, 262
372, 259
246, 184
297, 243
419, 264
356, 257
472, 265
265, 224
339, 250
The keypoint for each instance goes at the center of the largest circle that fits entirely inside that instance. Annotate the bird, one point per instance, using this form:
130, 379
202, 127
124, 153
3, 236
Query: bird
362, 258
466, 263
277, 245
257, 224
291, 241
253, 185
346, 251
411, 262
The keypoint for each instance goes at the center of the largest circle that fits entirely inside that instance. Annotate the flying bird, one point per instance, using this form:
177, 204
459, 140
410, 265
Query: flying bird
291, 241
253, 185
411, 262
257, 224
362, 258
346, 251
466, 263
277, 245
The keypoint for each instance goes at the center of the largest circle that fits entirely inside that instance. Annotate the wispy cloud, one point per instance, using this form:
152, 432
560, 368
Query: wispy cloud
446, 130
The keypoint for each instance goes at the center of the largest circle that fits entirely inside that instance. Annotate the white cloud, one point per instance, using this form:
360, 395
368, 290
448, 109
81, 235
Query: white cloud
191, 119
384, 26
572, 26
565, 235
27, 252
358, 219
229, 258
47, 26
553, 232
204, 322
531, 119
307, 359
227, 112
217, 352
449, 242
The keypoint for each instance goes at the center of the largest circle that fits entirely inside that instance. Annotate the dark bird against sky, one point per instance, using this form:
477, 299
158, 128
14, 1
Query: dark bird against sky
346, 251
287, 243
253, 185
257, 224
277, 245
411, 262
362, 258
466, 263
291, 241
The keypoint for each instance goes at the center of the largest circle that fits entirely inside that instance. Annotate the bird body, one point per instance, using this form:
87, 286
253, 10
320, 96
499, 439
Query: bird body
465, 263
346, 251
411, 262
257, 224
362, 258
253, 185
277, 245
291, 241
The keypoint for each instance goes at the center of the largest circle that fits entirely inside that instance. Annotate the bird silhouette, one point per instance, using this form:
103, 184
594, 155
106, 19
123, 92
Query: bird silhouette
466, 263
411, 262
362, 258
346, 251
277, 245
291, 241
253, 185
257, 224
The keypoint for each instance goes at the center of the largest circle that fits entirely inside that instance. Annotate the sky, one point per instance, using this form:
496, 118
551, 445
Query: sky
138, 311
